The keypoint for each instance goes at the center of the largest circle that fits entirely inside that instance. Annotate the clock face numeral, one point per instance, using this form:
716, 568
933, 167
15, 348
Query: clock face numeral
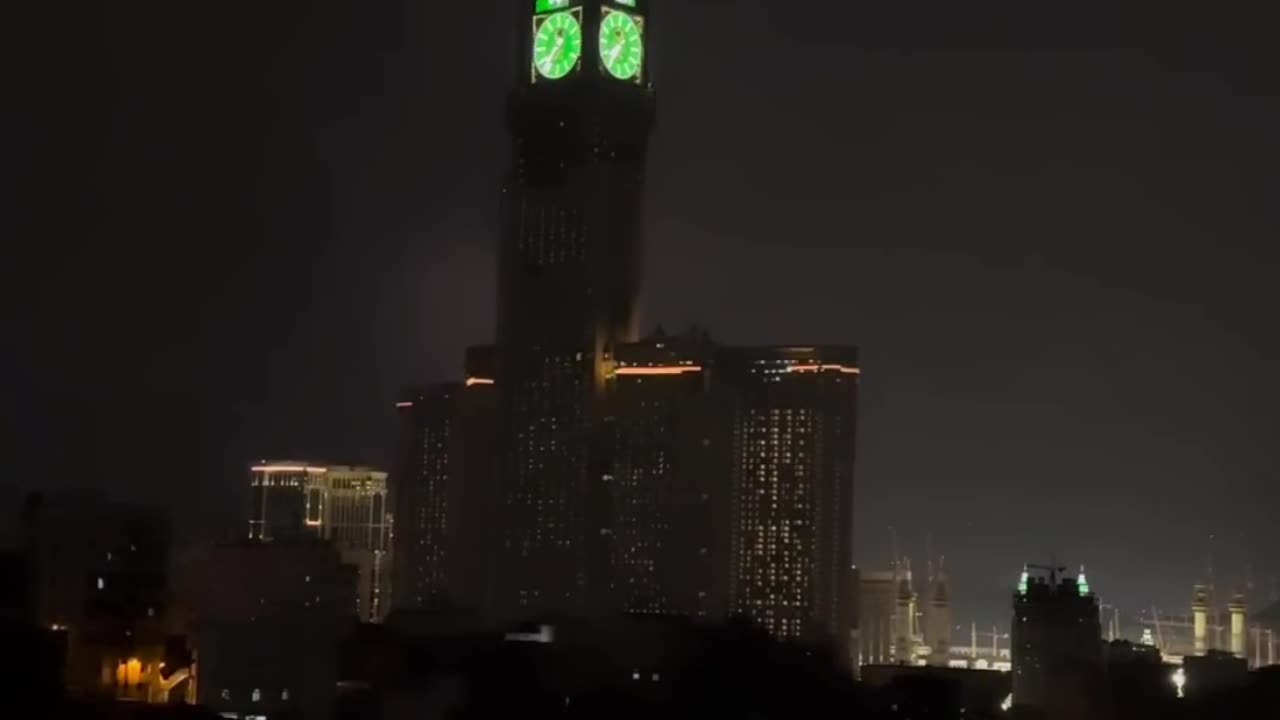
557, 45
621, 45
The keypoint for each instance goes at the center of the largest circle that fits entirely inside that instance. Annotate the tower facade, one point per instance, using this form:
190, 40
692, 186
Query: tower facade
1057, 640
904, 620
1239, 642
1200, 619
445, 493
669, 494
877, 613
429, 424
937, 620
792, 422
580, 118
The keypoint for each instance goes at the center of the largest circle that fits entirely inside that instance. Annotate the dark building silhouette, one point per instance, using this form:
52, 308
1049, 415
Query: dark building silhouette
266, 623
924, 692
792, 418
1057, 641
580, 117
99, 574
669, 487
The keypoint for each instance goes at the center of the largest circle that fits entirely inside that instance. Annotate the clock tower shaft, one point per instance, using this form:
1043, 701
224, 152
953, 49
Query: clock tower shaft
569, 273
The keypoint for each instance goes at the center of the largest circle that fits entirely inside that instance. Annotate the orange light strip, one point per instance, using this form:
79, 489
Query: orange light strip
823, 368
661, 370
405, 404
479, 381
287, 469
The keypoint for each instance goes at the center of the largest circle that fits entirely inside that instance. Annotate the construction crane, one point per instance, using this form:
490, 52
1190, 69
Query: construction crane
1113, 625
995, 636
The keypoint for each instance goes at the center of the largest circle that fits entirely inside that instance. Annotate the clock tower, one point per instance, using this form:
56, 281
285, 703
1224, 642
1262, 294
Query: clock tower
580, 116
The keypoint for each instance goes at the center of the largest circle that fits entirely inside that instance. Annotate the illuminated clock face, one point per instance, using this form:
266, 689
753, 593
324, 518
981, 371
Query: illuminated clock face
621, 45
557, 45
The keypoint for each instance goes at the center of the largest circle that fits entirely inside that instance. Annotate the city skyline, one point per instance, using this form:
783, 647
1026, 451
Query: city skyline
1018, 336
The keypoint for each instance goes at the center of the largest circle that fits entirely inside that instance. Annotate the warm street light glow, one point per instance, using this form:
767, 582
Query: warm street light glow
287, 469
659, 370
479, 381
825, 368
1179, 680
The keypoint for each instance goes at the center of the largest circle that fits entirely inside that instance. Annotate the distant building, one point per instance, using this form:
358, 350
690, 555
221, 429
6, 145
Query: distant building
668, 488
99, 573
937, 620
1057, 639
792, 417
346, 505
446, 502
266, 623
877, 617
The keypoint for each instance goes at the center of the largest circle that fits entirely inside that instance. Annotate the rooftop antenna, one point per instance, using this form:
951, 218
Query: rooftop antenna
928, 553
893, 542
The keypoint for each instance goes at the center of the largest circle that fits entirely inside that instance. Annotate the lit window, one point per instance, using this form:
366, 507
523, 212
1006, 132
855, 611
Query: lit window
257, 695
101, 583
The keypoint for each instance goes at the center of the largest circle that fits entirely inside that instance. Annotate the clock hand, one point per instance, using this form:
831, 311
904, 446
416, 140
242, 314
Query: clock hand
613, 54
551, 56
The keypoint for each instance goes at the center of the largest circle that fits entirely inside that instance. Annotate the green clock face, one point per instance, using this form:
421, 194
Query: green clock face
557, 45
621, 45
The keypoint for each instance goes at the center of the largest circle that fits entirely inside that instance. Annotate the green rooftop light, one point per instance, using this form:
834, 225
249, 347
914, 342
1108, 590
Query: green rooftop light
1082, 583
1022, 581
548, 5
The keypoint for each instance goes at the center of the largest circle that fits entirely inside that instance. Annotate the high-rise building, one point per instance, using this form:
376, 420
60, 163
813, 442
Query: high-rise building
669, 490
445, 495
345, 505
1057, 639
429, 423
580, 117
792, 416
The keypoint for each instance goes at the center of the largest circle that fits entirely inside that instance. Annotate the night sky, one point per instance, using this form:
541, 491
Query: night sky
241, 227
